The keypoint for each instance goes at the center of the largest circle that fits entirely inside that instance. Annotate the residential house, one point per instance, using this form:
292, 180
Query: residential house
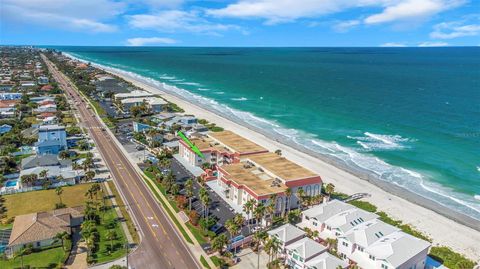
326, 261
42, 80
377, 245
5, 128
303, 251
51, 139
10, 95
40, 229
287, 234
334, 218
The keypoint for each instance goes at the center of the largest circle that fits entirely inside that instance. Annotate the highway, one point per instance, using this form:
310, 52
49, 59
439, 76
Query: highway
161, 245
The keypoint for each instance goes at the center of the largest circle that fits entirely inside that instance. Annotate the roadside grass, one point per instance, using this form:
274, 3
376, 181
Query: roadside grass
170, 213
216, 260
49, 258
102, 253
204, 262
126, 215
19, 158
197, 233
44, 200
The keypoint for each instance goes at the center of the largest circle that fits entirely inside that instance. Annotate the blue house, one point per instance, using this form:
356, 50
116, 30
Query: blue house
140, 127
5, 128
51, 139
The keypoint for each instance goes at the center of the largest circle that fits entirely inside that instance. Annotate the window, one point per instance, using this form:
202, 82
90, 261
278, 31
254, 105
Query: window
371, 257
345, 243
314, 223
384, 266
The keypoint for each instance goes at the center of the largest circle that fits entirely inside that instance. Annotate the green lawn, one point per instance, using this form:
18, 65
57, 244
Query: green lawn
44, 200
197, 233
102, 255
49, 258
121, 205
204, 262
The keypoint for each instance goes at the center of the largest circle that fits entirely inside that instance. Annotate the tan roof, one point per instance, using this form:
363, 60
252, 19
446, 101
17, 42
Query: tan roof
250, 176
235, 142
205, 143
42, 225
281, 167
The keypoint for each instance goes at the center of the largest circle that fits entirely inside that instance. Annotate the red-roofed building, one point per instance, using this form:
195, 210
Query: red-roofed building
47, 88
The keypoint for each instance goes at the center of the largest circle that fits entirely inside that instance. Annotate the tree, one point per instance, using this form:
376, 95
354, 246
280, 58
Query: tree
62, 237
259, 237
288, 194
300, 196
272, 207
189, 192
219, 242
174, 189
329, 189
59, 191
278, 152
259, 212
111, 235
231, 227
44, 174
22, 252
64, 154
29, 179
248, 209
272, 247
89, 175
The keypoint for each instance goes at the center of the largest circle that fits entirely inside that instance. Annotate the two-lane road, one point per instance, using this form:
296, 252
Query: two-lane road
161, 245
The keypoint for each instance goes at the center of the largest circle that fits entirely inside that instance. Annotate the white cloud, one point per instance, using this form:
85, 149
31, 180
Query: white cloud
142, 41
344, 26
77, 15
393, 44
412, 10
433, 44
450, 30
177, 20
281, 11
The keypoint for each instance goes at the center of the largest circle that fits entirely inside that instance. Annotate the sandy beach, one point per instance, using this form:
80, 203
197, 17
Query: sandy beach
442, 229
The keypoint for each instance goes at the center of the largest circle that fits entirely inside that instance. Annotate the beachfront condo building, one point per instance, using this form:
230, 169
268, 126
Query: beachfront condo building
259, 176
363, 239
218, 148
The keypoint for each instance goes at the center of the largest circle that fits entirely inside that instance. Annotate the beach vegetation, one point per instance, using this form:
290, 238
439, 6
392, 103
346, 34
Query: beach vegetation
450, 258
172, 107
364, 205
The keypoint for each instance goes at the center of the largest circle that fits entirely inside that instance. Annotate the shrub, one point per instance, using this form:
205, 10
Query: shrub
364, 205
450, 258
181, 201
193, 215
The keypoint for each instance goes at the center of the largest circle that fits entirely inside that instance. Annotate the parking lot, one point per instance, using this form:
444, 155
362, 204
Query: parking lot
218, 207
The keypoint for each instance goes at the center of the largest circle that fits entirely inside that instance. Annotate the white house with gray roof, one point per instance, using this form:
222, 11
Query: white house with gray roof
375, 244
287, 234
302, 251
326, 261
334, 218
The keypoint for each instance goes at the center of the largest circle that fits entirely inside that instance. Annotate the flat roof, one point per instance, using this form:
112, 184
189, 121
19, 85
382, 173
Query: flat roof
280, 166
206, 143
236, 142
251, 177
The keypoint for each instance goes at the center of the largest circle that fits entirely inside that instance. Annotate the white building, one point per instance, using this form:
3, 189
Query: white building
287, 234
363, 239
375, 244
133, 94
153, 103
334, 218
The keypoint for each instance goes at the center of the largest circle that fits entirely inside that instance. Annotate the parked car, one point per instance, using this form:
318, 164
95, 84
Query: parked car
217, 228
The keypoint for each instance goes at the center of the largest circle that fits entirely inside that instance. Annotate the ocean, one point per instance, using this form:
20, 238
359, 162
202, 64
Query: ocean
410, 116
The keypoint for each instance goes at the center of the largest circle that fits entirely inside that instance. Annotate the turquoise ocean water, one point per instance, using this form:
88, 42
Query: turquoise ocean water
409, 115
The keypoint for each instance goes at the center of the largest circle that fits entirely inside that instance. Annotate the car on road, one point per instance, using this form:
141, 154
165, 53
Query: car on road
140, 147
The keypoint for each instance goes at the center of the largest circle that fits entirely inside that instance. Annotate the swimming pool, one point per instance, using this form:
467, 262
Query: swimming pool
11, 183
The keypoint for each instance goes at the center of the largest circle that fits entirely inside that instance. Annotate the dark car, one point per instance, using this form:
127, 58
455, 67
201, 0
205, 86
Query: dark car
217, 228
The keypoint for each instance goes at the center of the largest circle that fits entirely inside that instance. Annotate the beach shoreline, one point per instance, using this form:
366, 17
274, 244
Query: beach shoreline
443, 225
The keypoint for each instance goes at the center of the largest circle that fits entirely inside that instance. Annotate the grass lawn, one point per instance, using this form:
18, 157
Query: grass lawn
123, 209
102, 254
204, 262
69, 120
197, 233
44, 200
49, 258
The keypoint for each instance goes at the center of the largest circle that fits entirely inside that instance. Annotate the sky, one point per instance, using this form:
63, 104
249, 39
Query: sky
332, 23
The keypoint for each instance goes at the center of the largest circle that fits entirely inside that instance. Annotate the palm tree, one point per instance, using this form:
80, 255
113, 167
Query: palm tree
44, 174
300, 196
59, 192
329, 189
64, 154
89, 175
248, 208
258, 238
271, 208
174, 189
60, 178
231, 227
288, 194
189, 192
272, 246
62, 237
219, 242
111, 235
22, 252
259, 212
